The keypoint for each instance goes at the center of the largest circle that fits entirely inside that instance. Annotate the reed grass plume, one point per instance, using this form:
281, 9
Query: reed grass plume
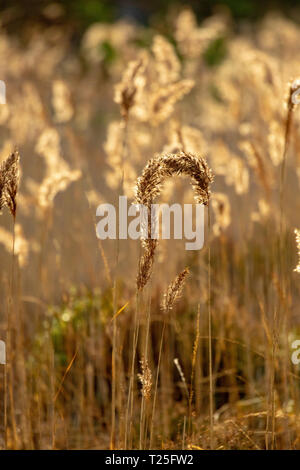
222, 212
62, 102
294, 88
54, 184
146, 263
126, 90
149, 186
163, 99
158, 86
2, 188
174, 290
89, 352
145, 378
9, 182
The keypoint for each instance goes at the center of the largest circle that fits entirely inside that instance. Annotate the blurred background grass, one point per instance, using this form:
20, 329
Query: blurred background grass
18, 15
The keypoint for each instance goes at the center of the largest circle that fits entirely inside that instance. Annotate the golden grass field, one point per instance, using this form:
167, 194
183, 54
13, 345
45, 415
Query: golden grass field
116, 345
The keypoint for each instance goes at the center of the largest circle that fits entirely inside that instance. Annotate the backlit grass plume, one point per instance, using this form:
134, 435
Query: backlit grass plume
183, 163
297, 234
145, 379
9, 182
174, 290
149, 186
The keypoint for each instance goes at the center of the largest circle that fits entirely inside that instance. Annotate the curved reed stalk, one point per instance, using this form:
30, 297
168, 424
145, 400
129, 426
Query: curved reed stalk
149, 186
9, 182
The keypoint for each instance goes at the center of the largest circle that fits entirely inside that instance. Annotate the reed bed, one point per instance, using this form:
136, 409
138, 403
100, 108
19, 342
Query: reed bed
143, 344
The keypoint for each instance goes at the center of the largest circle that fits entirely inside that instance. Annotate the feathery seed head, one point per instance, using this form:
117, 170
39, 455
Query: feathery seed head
294, 91
146, 379
174, 290
297, 234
